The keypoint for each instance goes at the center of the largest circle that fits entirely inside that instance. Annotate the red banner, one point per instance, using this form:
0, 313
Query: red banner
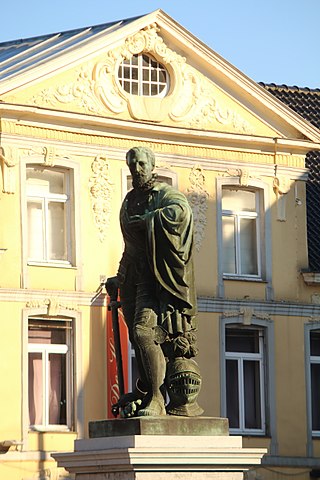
112, 374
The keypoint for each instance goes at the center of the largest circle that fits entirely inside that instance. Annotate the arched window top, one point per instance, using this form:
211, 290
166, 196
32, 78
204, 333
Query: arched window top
143, 75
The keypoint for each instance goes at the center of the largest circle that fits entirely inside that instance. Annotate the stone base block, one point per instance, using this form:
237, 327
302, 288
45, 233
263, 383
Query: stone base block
165, 425
155, 457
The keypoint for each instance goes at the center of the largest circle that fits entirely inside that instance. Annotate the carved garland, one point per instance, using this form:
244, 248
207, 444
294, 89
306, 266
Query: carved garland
197, 197
101, 188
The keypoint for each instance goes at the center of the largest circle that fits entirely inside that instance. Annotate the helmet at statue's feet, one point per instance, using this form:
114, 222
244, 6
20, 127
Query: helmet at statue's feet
183, 382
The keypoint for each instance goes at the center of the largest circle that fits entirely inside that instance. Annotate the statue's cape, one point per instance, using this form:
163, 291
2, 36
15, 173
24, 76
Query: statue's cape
170, 245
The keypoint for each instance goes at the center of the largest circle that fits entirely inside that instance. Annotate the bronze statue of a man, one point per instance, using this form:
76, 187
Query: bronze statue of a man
157, 293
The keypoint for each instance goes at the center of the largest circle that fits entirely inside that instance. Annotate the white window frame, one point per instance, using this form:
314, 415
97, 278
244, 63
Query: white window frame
268, 403
125, 180
45, 350
309, 360
45, 199
264, 250
240, 358
140, 81
77, 405
73, 169
237, 216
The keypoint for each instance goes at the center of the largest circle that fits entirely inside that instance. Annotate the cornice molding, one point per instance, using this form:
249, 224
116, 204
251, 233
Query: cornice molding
229, 307
36, 297
179, 155
16, 119
225, 307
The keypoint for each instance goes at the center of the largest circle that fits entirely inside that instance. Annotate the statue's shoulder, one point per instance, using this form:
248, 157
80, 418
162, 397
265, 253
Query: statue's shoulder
168, 191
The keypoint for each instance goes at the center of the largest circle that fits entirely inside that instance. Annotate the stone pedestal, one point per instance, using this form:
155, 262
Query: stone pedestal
147, 453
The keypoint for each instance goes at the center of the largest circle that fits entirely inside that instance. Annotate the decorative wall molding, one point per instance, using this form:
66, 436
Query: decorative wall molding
197, 197
49, 153
247, 313
8, 159
53, 305
101, 188
242, 173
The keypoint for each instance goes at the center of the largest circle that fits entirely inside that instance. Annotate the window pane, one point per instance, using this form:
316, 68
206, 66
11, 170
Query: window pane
238, 200
252, 400
45, 181
154, 75
134, 73
146, 74
228, 245
315, 343
57, 389
232, 393
154, 89
162, 76
242, 340
35, 230
315, 395
145, 90
134, 88
248, 246
126, 72
145, 60
57, 238
35, 385
40, 331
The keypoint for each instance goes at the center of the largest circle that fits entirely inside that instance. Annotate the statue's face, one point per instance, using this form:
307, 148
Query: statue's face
141, 168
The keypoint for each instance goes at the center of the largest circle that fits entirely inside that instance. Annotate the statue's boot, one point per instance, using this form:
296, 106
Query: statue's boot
154, 364
154, 368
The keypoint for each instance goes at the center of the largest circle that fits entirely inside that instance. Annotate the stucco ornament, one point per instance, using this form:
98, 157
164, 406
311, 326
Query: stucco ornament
197, 197
101, 188
281, 186
48, 155
192, 100
242, 173
79, 91
246, 314
8, 159
53, 305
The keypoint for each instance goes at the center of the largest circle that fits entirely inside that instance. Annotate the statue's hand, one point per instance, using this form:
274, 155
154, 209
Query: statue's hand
112, 287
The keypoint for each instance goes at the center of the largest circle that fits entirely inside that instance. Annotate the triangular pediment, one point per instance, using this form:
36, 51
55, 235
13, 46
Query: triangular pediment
205, 92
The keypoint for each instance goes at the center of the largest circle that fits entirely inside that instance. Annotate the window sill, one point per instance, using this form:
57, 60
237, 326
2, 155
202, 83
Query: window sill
311, 278
244, 279
51, 265
50, 429
249, 434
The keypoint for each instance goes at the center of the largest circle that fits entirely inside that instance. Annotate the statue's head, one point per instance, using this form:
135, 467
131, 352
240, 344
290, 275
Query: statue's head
141, 162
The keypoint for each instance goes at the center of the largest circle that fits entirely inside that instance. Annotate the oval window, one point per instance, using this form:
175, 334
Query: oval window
144, 76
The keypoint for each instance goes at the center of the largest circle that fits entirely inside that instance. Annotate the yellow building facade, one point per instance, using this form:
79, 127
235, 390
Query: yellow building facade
71, 105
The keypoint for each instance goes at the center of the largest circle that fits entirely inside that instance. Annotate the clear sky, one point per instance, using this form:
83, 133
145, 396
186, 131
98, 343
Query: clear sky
270, 41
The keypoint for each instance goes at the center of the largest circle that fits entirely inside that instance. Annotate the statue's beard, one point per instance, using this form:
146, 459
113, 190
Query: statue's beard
142, 182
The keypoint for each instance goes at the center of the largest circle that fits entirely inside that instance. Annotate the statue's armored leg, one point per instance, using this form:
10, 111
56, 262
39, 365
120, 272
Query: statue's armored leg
154, 364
